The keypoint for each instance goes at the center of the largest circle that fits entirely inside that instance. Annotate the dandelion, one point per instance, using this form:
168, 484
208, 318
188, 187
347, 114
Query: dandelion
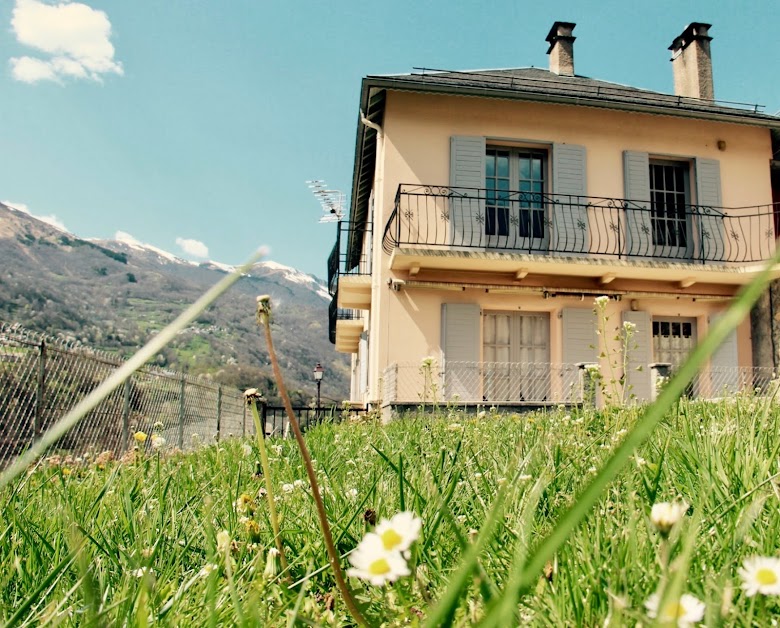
372, 562
272, 564
195, 438
158, 442
665, 515
139, 437
686, 611
244, 504
223, 541
246, 449
760, 574
253, 530
400, 532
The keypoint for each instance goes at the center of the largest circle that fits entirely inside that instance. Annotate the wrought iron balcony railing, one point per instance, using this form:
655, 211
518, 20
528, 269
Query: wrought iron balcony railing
336, 313
339, 260
549, 224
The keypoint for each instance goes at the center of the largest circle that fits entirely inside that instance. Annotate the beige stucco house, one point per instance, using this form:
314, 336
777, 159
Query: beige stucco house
490, 208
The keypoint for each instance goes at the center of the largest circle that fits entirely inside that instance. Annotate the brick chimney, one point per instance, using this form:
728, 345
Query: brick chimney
561, 48
692, 62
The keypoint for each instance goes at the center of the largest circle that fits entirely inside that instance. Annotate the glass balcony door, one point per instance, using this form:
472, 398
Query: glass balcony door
515, 205
670, 216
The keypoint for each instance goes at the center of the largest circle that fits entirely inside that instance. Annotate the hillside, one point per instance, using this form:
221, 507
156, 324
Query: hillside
114, 294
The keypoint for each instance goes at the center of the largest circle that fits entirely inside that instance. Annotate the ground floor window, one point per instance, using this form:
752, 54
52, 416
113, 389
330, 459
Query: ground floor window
673, 339
516, 356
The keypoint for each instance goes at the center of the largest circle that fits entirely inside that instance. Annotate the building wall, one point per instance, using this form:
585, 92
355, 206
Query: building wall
406, 325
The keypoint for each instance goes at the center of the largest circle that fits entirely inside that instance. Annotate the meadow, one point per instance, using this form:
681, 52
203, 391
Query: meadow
184, 539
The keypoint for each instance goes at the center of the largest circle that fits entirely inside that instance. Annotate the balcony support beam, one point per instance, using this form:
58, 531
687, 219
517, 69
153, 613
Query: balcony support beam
607, 278
687, 282
521, 274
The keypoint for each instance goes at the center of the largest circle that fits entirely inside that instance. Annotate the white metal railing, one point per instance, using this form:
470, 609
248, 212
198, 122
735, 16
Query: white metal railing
541, 383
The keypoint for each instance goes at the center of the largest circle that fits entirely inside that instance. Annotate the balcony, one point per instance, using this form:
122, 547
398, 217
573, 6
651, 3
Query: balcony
349, 276
344, 326
443, 228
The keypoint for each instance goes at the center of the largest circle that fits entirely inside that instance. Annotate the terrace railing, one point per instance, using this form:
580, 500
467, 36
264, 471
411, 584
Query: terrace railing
336, 313
532, 384
443, 217
339, 260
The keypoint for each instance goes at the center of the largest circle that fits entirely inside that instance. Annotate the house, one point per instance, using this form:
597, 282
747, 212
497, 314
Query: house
490, 208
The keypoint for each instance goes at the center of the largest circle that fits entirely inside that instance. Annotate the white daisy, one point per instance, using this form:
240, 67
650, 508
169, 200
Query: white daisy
398, 534
666, 514
760, 574
688, 610
370, 561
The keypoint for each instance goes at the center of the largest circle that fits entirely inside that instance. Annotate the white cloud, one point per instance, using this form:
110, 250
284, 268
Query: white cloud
50, 219
195, 248
74, 35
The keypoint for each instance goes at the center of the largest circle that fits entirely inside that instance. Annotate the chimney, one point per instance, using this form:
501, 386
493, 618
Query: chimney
561, 48
692, 63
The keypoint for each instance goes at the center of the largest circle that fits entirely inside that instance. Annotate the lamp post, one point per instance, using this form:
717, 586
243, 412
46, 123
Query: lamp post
318, 373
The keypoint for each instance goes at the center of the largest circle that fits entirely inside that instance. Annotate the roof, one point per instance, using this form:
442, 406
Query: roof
530, 85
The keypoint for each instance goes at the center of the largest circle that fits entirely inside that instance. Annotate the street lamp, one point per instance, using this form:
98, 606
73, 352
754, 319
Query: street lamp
318, 373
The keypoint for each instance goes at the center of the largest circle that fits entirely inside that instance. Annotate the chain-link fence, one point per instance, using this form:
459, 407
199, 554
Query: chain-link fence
42, 377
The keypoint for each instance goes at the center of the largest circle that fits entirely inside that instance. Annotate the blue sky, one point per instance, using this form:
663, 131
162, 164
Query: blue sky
199, 122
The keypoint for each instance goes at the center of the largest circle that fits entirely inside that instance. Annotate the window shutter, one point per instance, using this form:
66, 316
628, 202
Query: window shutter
460, 324
712, 229
467, 180
639, 357
724, 365
570, 214
580, 342
636, 180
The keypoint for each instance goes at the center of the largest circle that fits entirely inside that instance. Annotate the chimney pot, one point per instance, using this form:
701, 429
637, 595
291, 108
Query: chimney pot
692, 62
561, 48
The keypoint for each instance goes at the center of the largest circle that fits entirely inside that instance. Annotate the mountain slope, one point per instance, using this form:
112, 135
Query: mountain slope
114, 294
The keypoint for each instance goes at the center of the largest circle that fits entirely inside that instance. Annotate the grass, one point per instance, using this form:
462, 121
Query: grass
133, 542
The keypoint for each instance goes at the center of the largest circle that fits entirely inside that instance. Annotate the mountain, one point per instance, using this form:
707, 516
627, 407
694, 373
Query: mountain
115, 294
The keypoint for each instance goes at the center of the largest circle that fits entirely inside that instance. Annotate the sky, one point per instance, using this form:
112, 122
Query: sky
193, 125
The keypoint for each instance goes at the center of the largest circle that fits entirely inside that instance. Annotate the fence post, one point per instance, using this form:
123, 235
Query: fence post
126, 417
219, 411
40, 394
264, 415
181, 413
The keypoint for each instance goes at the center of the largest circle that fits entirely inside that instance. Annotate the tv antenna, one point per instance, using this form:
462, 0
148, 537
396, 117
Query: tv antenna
331, 201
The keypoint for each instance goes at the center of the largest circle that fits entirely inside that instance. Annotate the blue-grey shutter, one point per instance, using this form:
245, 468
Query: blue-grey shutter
467, 182
712, 230
636, 180
570, 214
460, 331
640, 354
724, 365
580, 342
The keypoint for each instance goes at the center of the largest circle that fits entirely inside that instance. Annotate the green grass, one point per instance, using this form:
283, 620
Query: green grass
73, 536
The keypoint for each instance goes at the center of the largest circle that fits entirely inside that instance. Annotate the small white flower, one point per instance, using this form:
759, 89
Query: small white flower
665, 514
760, 574
352, 493
206, 569
246, 449
688, 610
370, 561
601, 301
277, 449
272, 563
523, 477
158, 442
288, 488
141, 572
481, 414
299, 483
400, 532
629, 327
158, 425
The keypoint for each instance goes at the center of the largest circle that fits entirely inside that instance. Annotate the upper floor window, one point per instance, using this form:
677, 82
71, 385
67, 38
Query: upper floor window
670, 198
515, 182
